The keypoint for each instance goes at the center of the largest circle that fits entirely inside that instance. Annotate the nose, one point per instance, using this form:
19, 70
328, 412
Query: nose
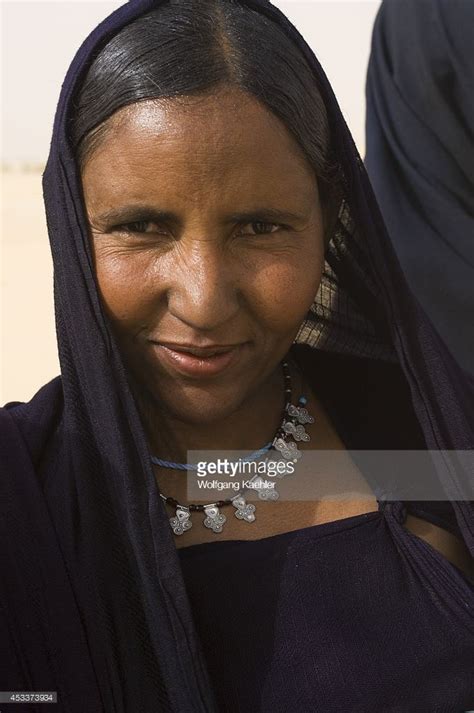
204, 292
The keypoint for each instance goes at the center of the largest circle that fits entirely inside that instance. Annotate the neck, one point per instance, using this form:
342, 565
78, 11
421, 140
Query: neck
249, 428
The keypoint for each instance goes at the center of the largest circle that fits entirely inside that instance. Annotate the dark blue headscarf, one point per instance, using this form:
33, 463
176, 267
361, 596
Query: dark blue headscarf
420, 154
88, 542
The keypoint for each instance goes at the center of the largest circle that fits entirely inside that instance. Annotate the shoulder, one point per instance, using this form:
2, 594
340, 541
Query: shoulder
28, 425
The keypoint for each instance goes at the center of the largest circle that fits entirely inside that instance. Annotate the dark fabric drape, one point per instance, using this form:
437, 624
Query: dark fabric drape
420, 154
97, 607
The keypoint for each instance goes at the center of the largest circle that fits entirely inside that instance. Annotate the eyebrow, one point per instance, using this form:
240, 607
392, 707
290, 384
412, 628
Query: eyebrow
266, 214
132, 214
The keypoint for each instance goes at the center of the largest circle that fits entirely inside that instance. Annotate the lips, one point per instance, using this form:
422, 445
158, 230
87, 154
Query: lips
199, 362
199, 351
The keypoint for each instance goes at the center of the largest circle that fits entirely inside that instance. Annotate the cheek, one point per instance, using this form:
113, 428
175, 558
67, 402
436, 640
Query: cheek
285, 289
278, 289
125, 294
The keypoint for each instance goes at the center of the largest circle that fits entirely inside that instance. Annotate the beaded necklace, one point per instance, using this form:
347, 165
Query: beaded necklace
291, 430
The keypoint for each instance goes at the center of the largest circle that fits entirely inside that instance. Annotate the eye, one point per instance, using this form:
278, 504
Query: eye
138, 227
151, 227
262, 228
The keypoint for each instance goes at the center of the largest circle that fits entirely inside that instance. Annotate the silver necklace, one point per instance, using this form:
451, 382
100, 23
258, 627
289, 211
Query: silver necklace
290, 431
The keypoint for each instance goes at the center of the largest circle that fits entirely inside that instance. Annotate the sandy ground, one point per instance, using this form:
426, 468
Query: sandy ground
28, 354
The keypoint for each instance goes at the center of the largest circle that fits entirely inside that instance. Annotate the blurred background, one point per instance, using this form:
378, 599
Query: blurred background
39, 40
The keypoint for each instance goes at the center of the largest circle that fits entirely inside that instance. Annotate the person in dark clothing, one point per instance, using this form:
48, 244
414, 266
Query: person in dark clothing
420, 155
218, 252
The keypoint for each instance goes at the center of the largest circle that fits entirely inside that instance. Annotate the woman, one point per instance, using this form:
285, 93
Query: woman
203, 191
420, 124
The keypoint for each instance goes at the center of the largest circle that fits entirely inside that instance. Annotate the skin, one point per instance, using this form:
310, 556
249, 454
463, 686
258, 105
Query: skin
202, 273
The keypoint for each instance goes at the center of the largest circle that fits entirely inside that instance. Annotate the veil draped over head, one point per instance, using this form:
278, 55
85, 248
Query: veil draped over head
89, 547
420, 154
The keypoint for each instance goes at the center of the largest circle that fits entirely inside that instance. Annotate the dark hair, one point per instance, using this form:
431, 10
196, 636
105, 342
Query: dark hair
191, 47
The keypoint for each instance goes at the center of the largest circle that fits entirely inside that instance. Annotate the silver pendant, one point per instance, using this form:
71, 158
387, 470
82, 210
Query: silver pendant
300, 413
270, 495
245, 511
298, 432
288, 450
214, 520
265, 493
181, 522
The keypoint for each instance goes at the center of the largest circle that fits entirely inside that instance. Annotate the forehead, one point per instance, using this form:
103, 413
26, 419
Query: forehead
225, 143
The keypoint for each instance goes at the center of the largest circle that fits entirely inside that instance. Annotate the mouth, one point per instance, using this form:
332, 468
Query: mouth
204, 352
199, 361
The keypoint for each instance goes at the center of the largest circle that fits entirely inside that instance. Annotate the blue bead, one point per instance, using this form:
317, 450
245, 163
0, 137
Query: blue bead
302, 400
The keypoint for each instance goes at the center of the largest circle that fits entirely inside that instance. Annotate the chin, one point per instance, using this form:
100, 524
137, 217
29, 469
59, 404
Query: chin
202, 412
199, 405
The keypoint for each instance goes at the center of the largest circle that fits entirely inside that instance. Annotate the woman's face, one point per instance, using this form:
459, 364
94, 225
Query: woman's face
206, 228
